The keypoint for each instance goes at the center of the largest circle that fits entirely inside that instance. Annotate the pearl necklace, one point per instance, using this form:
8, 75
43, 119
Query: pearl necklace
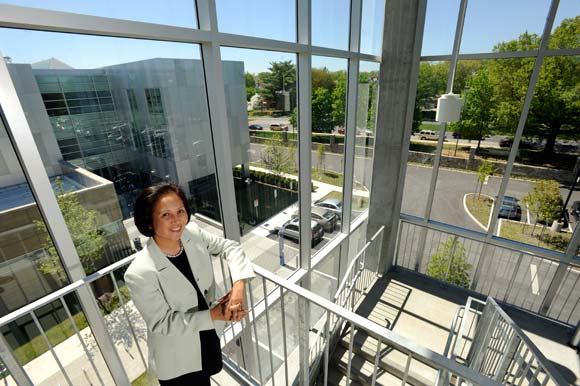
178, 253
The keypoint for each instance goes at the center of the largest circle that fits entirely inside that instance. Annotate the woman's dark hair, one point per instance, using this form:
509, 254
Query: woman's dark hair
143, 208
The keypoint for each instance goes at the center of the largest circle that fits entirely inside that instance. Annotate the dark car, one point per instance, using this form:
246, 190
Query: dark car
255, 127
510, 209
575, 210
508, 142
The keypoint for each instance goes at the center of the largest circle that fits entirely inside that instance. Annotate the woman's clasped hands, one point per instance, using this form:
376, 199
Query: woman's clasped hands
231, 307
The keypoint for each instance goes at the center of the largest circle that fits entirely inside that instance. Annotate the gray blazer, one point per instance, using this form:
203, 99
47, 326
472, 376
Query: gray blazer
168, 303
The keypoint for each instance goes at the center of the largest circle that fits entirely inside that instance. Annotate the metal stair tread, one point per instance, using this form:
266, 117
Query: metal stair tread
393, 362
362, 369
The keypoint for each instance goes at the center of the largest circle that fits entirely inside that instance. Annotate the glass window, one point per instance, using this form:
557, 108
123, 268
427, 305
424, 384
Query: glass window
31, 269
373, 13
100, 156
514, 19
180, 13
423, 146
330, 23
540, 211
440, 23
274, 19
261, 95
368, 93
329, 78
474, 155
566, 22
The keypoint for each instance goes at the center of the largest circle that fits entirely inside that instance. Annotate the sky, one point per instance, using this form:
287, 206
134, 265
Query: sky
487, 22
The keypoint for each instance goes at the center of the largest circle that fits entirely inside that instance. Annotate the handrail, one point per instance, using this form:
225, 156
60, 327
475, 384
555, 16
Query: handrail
516, 246
353, 262
546, 364
401, 343
12, 316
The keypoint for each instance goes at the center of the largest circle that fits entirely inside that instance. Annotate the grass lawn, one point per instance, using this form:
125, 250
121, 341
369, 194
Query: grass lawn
480, 207
56, 334
523, 233
145, 379
518, 231
60, 332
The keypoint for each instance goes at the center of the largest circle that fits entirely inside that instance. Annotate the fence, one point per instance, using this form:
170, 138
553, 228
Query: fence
517, 276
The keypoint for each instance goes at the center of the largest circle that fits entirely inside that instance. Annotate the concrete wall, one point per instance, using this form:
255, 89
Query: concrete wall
562, 176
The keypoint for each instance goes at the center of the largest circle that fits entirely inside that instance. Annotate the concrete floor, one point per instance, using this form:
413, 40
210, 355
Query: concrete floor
422, 310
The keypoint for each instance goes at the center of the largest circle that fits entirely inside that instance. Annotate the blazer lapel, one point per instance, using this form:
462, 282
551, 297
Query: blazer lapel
171, 276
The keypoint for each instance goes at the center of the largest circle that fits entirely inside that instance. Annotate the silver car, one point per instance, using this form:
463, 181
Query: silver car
325, 217
291, 230
333, 204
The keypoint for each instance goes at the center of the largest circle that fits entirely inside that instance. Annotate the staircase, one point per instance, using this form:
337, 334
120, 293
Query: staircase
391, 366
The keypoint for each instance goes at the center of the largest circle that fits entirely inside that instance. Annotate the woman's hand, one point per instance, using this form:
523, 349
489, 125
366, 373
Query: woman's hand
221, 312
236, 302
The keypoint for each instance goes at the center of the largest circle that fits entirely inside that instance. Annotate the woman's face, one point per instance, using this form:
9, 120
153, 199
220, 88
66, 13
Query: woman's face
169, 219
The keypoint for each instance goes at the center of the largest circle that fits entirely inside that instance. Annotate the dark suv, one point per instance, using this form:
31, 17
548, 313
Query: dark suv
510, 209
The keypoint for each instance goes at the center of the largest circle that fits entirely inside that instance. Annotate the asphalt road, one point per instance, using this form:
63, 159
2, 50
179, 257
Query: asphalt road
452, 185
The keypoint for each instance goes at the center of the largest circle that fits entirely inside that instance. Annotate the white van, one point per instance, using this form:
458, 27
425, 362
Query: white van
428, 135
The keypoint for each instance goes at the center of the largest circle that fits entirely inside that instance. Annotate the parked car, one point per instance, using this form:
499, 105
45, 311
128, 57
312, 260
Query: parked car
325, 217
508, 142
335, 205
278, 127
428, 135
340, 130
456, 135
510, 209
575, 210
255, 127
291, 230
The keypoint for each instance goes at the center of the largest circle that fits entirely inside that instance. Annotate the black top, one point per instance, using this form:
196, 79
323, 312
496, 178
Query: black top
211, 353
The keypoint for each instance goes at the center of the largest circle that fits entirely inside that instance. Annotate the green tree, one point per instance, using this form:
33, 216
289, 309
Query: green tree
449, 263
485, 170
322, 121
431, 83
555, 107
544, 202
476, 114
278, 158
250, 86
293, 118
322, 78
339, 100
281, 77
321, 154
87, 236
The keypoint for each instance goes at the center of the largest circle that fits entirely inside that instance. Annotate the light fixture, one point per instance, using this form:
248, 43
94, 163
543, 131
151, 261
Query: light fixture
448, 108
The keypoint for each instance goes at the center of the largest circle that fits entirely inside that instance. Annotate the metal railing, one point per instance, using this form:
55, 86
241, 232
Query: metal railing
272, 321
357, 280
513, 273
487, 340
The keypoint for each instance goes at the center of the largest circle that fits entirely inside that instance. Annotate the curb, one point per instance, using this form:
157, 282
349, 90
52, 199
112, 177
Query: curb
469, 212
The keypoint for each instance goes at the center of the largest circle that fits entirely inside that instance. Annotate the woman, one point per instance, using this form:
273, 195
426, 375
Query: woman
172, 284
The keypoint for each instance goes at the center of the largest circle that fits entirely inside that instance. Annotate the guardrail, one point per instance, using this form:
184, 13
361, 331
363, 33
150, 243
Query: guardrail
273, 323
513, 273
487, 340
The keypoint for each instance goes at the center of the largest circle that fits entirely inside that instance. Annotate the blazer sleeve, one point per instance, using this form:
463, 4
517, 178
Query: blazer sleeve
158, 316
238, 262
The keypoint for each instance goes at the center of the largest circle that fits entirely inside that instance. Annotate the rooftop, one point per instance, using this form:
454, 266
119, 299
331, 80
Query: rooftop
19, 195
